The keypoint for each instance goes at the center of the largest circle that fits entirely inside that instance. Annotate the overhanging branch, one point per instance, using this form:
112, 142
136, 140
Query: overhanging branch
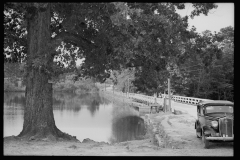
74, 39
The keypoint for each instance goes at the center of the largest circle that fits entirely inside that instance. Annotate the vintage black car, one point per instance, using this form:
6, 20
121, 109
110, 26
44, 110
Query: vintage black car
215, 121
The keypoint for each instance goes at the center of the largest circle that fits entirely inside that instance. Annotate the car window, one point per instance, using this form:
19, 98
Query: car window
213, 109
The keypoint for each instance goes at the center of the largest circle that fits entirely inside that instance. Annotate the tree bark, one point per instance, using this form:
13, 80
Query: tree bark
39, 121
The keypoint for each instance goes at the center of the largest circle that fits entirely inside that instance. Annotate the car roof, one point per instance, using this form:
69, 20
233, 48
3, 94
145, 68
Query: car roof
216, 102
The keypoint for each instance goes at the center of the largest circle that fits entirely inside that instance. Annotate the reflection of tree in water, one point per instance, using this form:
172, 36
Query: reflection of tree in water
61, 101
14, 103
58, 103
66, 101
93, 103
13, 98
127, 128
93, 107
74, 102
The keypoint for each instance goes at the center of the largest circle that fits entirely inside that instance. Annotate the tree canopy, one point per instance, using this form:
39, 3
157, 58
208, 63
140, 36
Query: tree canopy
150, 37
105, 35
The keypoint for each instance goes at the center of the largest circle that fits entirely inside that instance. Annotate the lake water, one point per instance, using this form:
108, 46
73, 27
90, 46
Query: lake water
84, 116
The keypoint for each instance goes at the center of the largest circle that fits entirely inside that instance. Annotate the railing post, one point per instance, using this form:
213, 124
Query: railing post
128, 88
169, 95
113, 89
164, 104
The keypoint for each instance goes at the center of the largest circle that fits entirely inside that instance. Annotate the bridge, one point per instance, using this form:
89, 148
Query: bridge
180, 103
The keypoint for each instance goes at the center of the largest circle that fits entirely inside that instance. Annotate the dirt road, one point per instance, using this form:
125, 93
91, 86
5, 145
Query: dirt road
177, 132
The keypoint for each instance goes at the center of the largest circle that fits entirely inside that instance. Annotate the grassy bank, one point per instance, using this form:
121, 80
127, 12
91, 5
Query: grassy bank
77, 87
70, 87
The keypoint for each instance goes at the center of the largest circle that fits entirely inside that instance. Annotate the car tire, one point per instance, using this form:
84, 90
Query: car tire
197, 134
205, 141
197, 131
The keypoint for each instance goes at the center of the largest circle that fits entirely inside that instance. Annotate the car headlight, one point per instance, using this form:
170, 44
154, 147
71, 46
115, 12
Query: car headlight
214, 124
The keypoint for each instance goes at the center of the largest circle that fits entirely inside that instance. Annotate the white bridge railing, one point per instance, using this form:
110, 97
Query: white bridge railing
152, 99
188, 100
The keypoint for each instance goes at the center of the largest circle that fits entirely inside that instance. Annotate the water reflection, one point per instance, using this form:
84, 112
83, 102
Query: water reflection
63, 101
13, 112
14, 98
84, 116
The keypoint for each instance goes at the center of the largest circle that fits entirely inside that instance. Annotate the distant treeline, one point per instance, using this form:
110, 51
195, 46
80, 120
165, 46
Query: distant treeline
65, 84
204, 70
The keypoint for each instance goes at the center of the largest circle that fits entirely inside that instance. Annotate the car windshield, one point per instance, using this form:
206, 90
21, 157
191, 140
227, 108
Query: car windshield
215, 109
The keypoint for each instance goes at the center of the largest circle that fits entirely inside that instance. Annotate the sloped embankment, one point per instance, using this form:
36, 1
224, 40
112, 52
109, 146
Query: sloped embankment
174, 131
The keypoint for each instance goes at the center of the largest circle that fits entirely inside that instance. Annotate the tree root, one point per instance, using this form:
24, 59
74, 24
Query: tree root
47, 135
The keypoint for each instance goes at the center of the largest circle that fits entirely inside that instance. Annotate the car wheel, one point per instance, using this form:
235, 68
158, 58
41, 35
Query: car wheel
197, 134
205, 141
198, 131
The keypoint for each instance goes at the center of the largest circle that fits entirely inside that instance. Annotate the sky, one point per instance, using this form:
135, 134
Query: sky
221, 17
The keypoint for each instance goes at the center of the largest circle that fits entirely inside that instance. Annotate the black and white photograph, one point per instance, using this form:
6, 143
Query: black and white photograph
118, 79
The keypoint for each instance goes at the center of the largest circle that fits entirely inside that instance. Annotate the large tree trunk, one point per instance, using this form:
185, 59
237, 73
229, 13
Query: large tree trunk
38, 113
